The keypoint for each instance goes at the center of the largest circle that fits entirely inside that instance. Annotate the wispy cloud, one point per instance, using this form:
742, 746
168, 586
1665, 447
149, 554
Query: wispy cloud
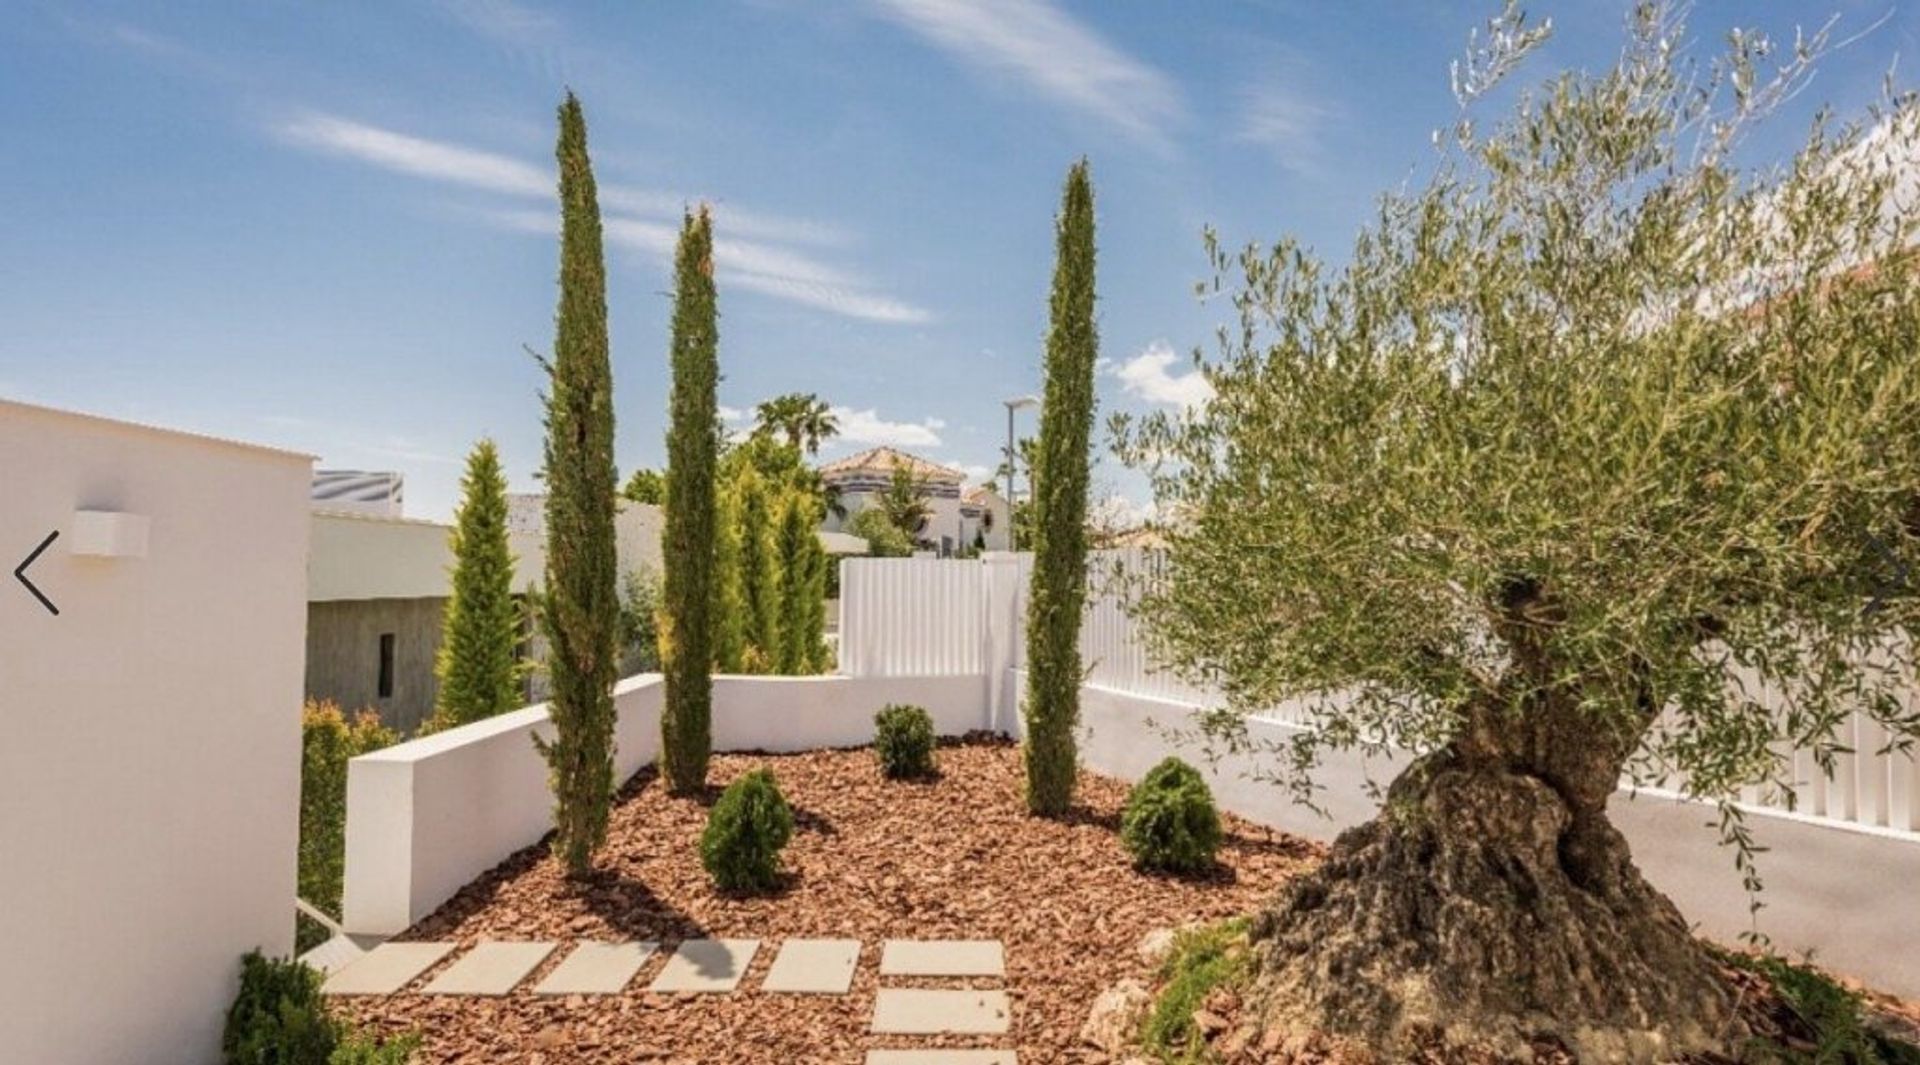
866, 428
1148, 375
1037, 44
504, 19
761, 265
1289, 123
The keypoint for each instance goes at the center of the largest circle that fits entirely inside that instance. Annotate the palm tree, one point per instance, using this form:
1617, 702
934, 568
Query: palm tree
802, 417
905, 501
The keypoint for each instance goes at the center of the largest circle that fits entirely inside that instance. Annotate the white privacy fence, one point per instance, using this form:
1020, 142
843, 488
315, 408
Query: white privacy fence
933, 617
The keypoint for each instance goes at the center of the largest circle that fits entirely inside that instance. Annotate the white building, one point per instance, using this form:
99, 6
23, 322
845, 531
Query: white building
960, 518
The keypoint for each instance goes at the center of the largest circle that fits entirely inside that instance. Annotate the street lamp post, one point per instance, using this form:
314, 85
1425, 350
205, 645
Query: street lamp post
1014, 404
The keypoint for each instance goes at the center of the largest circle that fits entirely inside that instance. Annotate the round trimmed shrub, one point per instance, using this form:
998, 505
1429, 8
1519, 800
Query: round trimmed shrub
1170, 823
903, 741
749, 824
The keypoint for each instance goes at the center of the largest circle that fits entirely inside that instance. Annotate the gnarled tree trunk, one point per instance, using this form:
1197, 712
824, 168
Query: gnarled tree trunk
1492, 903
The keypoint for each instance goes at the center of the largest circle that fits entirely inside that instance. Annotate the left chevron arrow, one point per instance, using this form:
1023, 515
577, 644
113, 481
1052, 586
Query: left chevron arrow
20, 573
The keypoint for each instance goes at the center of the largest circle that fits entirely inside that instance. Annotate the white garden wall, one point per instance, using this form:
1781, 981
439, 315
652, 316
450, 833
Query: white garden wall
149, 734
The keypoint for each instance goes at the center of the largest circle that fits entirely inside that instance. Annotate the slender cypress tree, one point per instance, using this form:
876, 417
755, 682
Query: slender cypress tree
729, 613
478, 664
581, 603
759, 572
686, 723
815, 614
800, 584
1060, 509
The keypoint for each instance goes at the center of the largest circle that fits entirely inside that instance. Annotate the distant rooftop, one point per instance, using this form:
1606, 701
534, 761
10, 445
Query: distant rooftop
882, 461
360, 492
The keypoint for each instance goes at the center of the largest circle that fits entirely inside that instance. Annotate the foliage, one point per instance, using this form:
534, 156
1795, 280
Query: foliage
280, 1018
1202, 959
803, 571
580, 613
328, 740
1059, 540
903, 741
1169, 822
639, 622
478, 665
646, 486
686, 722
750, 823
759, 566
884, 538
803, 419
729, 580
1830, 1018
904, 502
1599, 443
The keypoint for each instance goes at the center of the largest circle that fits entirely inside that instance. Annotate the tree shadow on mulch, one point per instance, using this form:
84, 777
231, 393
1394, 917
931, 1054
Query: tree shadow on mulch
631, 908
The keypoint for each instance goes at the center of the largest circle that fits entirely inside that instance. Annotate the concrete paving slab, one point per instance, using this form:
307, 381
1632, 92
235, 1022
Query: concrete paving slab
814, 967
917, 1011
596, 969
489, 969
385, 969
709, 966
943, 957
941, 1057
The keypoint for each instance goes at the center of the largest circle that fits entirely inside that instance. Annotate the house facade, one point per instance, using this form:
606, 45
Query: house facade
959, 519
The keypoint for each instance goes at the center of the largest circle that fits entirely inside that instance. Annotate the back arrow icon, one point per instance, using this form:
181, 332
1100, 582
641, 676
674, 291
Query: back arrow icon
20, 573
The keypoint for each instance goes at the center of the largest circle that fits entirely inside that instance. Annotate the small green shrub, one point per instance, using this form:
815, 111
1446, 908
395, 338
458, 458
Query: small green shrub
903, 741
1831, 1018
1201, 960
1170, 823
749, 824
278, 1018
360, 1048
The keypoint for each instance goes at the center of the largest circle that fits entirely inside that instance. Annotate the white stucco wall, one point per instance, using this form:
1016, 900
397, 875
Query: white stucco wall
149, 736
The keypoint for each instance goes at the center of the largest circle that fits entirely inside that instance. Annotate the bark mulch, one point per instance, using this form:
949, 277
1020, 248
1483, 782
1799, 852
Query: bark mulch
871, 859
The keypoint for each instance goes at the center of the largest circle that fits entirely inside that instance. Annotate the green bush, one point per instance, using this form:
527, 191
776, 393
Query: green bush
749, 824
279, 1018
903, 741
328, 740
1830, 1018
1202, 959
1170, 823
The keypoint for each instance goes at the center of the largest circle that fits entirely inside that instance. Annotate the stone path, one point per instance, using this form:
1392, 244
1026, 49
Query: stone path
717, 967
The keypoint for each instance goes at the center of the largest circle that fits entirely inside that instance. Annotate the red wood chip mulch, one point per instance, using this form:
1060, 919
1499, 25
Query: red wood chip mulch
871, 859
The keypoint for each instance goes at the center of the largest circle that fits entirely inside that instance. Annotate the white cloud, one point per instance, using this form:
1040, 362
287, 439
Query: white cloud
1147, 375
975, 473
1036, 43
503, 19
1289, 124
731, 414
760, 266
867, 429
1117, 513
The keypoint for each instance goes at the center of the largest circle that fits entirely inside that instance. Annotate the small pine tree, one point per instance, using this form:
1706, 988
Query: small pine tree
759, 569
802, 586
686, 722
478, 665
581, 604
729, 593
1060, 509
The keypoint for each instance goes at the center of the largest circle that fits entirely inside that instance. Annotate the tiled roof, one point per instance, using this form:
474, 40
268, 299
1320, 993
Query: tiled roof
883, 460
980, 493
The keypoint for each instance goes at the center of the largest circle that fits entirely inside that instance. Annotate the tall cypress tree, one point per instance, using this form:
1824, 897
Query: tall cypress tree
729, 613
686, 722
1060, 509
478, 664
801, 591
580, 613
759, 571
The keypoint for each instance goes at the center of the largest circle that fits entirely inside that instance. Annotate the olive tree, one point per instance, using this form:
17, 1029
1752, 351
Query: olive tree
1596, 458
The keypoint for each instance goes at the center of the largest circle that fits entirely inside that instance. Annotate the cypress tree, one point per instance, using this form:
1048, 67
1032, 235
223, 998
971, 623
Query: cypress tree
759, 573
686, 722
800, 585
815, 614
581, 603
1060, 509
478, 663
729, 613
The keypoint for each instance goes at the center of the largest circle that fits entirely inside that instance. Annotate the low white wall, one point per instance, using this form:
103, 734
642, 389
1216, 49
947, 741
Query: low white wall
1846, 894
149, 735
426, 817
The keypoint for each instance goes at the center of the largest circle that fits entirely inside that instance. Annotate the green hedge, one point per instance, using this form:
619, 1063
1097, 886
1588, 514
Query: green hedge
329, 739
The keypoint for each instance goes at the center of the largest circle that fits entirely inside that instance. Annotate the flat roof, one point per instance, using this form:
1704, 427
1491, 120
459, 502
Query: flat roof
121, 423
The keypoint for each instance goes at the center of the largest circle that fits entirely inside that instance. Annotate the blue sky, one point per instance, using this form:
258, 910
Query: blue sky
331, 226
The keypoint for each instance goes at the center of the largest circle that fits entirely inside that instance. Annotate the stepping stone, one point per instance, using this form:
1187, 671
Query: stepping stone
596, 969
914, 1011
942, 957
941, 1057
489, 969
385, 969
814, 966
706, 965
